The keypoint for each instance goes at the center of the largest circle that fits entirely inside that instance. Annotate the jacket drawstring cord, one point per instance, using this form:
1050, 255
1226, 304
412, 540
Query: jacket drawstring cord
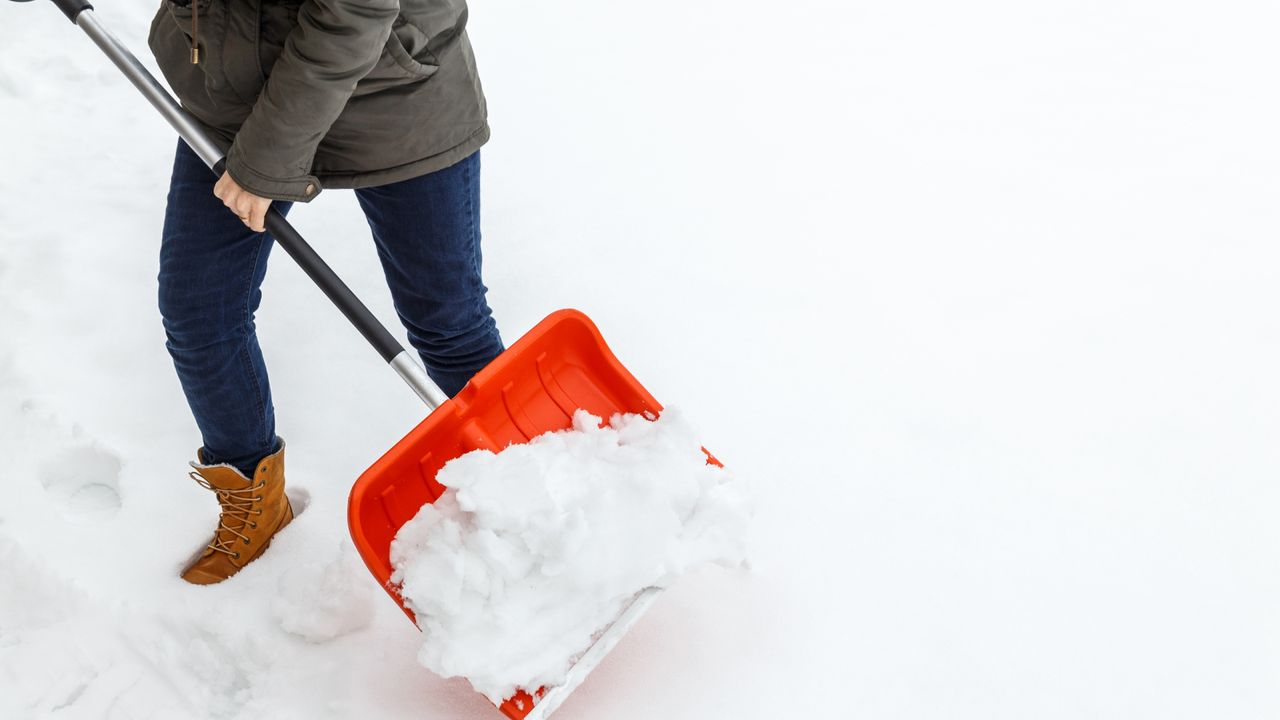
195, 32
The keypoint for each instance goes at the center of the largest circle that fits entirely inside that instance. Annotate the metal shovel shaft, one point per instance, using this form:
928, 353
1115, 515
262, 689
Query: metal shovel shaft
401, 360
150, 88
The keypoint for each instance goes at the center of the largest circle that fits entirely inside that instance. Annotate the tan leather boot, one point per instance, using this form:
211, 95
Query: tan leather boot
253, 510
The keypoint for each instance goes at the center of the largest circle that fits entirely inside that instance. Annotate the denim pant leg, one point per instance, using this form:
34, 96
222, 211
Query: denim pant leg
211, 269
427, 230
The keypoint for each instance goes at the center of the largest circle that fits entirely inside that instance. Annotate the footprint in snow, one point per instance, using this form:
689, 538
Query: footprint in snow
84, 482
299, 499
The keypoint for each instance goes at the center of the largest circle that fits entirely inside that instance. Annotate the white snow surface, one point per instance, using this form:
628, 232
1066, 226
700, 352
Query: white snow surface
532, 551
984, 293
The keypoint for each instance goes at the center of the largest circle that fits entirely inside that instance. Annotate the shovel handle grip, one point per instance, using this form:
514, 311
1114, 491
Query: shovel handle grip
72, 8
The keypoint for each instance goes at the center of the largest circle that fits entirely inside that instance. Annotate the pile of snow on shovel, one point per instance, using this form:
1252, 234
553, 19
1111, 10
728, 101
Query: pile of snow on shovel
534, 550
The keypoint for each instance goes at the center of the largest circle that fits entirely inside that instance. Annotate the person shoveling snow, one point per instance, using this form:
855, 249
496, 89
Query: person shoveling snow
342, 106
424, 215
535, 549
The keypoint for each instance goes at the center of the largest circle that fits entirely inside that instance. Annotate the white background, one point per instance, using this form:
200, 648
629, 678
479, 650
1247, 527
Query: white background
980, 296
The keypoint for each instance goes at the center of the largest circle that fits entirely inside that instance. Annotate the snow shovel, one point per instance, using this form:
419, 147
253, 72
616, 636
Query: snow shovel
561, 365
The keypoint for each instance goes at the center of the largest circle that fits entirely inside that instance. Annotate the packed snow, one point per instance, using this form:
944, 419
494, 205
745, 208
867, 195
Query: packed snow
532, 551
985, 291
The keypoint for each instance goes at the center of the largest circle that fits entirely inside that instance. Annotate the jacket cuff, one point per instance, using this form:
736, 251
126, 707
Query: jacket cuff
302, 188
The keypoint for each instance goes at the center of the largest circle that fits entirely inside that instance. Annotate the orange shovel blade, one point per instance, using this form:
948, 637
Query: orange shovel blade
558, 367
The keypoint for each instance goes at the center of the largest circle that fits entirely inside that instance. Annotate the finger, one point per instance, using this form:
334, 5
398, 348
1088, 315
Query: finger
244, 210
231, 197
220, 188
258, 216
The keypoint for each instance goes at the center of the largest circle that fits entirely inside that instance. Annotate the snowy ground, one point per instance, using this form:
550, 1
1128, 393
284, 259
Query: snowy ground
982, 296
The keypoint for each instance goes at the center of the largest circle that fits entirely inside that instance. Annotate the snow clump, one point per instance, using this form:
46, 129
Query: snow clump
323, 601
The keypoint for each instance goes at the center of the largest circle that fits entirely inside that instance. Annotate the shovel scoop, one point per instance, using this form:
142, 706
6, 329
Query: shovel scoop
535, 387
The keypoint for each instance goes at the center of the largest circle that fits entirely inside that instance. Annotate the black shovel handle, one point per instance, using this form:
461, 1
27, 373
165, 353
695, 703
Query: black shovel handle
70, 8
333, 287
283, 232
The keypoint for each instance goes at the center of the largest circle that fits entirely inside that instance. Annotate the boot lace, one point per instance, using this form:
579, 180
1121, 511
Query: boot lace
236, 505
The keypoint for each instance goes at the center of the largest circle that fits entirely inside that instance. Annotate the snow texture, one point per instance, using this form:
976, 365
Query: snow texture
986, 291
320, 601
534, 550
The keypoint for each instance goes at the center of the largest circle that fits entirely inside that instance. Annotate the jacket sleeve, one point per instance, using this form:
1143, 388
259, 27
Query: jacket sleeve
335, 44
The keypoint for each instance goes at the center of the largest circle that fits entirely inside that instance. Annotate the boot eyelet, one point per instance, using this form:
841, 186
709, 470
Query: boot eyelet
253, 526
236, 556
246, 541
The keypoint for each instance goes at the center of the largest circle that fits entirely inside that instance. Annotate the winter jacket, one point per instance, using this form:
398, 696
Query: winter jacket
305, 94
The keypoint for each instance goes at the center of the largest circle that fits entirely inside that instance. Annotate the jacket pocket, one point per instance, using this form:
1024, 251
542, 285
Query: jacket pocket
275, 21
404, 60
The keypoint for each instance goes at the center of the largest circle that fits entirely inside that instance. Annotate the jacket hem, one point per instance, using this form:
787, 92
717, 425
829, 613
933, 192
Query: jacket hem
408, 171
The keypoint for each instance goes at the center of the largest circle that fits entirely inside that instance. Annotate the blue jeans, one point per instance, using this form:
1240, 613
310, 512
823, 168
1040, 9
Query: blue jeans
427, 232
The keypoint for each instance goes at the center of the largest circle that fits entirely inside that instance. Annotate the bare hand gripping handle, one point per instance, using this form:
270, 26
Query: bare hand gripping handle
401, 360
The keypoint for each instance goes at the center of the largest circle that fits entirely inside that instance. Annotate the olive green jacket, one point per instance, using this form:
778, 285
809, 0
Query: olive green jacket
306, 94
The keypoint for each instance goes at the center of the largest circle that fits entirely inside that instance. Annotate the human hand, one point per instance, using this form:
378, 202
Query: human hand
251, 209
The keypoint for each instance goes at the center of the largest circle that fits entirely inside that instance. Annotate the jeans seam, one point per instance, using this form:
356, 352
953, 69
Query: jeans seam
244, 341
472, 240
